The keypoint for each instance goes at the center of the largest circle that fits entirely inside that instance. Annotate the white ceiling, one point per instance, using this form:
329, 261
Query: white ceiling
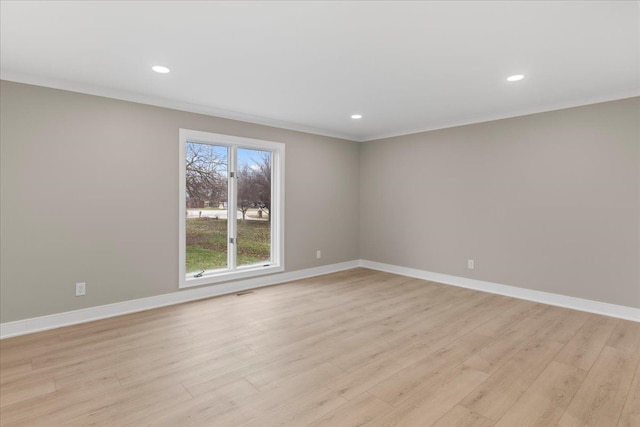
406, 66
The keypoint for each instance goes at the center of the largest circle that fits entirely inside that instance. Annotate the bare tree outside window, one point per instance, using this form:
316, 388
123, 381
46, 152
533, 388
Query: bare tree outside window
206, 181
254, 203
206, 175
262, 181
246, 190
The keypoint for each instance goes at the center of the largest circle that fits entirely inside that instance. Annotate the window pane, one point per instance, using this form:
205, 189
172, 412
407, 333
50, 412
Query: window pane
254, 207
206, 198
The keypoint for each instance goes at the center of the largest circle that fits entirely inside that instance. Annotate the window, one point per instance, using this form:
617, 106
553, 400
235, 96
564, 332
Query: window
231, 207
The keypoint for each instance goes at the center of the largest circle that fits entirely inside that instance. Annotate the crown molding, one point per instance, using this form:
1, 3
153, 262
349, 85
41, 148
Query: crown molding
494, 117
264, 121
155, 101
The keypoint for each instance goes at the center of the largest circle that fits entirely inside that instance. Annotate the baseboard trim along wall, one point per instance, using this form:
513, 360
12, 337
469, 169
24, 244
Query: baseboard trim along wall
52, 321
43, 323
596, 307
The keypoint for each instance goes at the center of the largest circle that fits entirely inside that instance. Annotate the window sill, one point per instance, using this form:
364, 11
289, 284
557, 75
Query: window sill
227, 276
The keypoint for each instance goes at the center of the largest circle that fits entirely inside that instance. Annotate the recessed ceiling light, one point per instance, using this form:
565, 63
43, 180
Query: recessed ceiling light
356, 116
160, 69
515, 78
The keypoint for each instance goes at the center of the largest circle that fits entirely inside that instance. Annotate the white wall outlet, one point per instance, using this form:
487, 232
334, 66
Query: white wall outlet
81, 289
471, 264
318, 254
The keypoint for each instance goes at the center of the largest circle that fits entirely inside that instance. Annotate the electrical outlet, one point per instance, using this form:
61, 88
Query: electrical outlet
318, 254
81, 289
471, 264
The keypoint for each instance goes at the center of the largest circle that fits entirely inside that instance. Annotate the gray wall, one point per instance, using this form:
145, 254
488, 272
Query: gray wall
549, 201
89, 192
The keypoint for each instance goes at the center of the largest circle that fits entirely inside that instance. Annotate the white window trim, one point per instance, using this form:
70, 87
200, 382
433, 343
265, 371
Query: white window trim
277, 214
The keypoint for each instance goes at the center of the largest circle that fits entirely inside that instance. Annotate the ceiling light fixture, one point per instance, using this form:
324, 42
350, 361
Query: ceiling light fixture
356, 116
515, 78
160, 69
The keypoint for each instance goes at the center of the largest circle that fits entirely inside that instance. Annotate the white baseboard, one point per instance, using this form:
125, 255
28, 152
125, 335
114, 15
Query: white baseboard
52, 321
36, 324
612, 310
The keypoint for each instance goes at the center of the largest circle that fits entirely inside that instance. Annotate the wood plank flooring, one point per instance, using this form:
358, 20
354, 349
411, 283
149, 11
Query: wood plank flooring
355, 348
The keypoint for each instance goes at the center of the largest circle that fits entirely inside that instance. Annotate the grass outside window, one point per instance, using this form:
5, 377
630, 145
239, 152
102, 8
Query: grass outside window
207, 243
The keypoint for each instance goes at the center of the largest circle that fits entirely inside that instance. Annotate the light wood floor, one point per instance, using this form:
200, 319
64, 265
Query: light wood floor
353, 348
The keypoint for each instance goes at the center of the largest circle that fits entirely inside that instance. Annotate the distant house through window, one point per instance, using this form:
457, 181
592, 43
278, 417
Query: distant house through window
231, 207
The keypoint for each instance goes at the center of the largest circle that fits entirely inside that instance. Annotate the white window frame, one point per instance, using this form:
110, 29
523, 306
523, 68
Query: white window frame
277, 214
